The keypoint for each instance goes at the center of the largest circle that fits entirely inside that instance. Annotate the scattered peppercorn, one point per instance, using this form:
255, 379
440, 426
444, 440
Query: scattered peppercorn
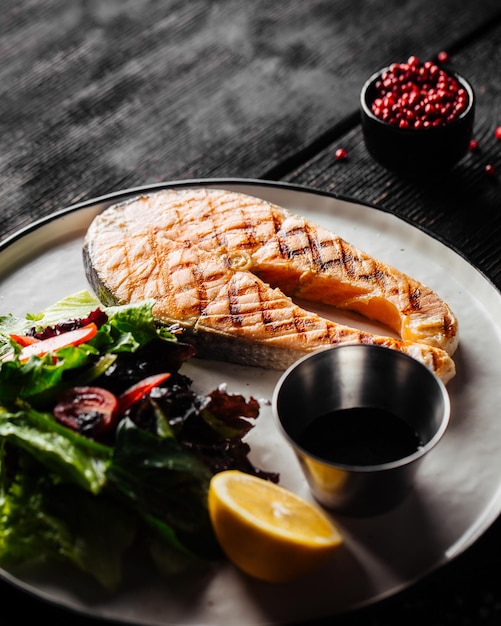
497, 133
341, 154
473, 145
443, 56
490, 170
415, 95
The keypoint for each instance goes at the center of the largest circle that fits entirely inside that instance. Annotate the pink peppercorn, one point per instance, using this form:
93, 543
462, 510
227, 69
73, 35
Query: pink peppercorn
341, 154
443, 56
490, 170
497, 133
418, 95
473, 145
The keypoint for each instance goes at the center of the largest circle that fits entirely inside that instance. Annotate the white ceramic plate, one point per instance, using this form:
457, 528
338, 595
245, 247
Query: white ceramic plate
457, 494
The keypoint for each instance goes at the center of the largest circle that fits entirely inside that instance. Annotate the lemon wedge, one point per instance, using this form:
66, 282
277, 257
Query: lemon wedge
266, 530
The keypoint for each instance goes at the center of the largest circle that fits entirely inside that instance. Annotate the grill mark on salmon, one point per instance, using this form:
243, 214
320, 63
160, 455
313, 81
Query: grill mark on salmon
347, 260
414, 299
220, 264
234, 302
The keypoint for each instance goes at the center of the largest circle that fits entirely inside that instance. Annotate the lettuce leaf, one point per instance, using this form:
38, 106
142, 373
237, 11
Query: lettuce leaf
75, 306
166, 483
29, 379
73, 457
42, 520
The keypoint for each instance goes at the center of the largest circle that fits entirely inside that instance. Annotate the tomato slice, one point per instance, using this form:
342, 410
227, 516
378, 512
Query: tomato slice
91, 411
52, 344
139, 390
24, 340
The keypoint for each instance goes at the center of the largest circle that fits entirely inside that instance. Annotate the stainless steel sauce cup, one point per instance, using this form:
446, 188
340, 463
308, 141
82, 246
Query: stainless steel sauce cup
355, 376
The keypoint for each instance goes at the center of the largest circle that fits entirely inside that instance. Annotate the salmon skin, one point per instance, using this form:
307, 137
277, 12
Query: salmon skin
226, 266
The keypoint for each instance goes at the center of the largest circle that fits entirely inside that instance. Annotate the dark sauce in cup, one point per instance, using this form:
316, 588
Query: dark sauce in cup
360, 436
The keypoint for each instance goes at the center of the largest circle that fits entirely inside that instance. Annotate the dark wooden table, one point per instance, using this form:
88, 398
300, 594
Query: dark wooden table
101, 96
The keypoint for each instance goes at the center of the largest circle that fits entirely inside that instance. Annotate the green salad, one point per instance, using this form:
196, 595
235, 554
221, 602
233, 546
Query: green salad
104, 446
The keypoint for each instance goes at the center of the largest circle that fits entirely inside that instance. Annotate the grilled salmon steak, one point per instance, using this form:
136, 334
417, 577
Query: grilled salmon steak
226, 266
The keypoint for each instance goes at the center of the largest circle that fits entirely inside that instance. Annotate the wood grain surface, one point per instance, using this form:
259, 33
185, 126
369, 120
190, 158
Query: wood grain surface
102, 95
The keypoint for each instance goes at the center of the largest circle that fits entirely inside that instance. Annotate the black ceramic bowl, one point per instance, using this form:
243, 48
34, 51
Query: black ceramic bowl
416, 152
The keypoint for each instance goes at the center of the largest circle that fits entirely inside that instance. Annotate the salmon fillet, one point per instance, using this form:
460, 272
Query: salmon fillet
225, 267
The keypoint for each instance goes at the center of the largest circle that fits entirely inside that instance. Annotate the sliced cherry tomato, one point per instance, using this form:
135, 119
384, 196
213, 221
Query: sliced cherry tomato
139, 390
91, 411
24, 340
70, 338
